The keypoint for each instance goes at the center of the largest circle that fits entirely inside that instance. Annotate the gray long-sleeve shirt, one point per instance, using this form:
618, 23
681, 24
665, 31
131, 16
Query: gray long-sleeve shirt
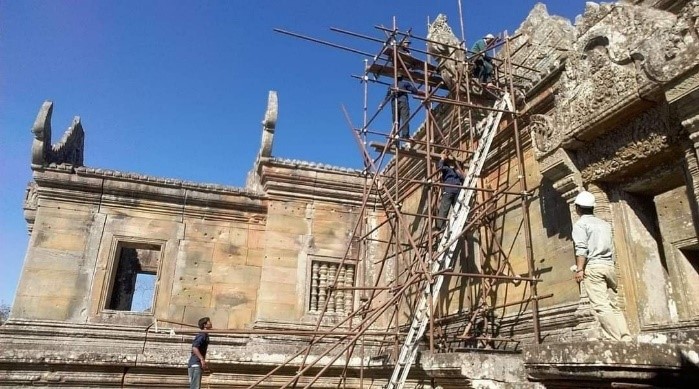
592, 237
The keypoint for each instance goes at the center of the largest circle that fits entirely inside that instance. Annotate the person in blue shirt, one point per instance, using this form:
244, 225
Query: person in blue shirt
451, 175
197, 359
482, 62
400, 107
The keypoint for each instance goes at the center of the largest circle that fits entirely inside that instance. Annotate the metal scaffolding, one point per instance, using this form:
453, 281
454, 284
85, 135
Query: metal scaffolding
398, 211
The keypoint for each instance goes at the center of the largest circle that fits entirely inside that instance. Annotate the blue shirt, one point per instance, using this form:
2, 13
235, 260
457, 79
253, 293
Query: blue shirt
592, 237
450, 176
404, 85
201, 341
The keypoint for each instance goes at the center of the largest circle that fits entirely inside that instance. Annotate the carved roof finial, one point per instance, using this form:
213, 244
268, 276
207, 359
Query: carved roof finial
269, 123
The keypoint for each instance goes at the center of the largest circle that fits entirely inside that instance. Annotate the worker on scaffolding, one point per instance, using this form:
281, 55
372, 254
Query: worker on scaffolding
482, 61
453, 176
400, 107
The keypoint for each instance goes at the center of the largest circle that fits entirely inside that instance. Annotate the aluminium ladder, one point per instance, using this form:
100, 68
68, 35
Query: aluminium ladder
487, 128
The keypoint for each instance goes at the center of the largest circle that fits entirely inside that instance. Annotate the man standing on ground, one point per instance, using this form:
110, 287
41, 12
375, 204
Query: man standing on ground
197, 361
594, 260
451, 175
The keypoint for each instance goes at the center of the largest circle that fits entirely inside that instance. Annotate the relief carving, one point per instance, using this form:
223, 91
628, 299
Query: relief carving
542, 132
623, 53
648, 134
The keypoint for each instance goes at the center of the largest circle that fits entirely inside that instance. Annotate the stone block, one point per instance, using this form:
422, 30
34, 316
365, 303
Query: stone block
282, 240
229, 254
59, 240
236, 274
281, 257
43, 307
50, 282
198, 295
277, 311
48, 259
235, 296
206, 231
275, 274
290, 208
288, 224
256, 238
240, 318
218, 317
255, 257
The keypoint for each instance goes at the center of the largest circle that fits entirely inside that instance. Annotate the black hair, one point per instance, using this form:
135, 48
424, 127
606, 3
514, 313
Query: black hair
202, 322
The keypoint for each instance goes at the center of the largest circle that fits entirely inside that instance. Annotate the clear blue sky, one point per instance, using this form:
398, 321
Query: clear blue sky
178, 88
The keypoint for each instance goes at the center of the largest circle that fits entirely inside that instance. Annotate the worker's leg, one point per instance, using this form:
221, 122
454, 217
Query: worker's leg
194, 377
620, 321
596, 286
444, 206
404, 112
487, 73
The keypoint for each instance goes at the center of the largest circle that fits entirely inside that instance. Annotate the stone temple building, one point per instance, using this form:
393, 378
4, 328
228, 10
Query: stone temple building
306, 272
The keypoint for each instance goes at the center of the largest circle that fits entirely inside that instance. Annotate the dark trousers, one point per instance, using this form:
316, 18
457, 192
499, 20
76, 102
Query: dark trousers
445, 203
483, 70
403, 116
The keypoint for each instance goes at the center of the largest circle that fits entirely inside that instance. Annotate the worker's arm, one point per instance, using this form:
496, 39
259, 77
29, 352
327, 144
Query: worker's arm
195, 351
580, 268
579, 236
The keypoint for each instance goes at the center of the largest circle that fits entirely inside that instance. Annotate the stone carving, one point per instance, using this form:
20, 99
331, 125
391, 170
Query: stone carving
68, 151
622, 53
542, 133
443, 43
646, 135
269, 123
541, 42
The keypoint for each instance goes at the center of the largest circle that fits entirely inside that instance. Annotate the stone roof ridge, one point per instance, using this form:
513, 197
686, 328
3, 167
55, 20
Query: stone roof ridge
152, 179
542, 42
317, 165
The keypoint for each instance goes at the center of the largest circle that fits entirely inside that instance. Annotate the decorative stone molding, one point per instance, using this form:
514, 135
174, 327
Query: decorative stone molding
649, 134
621, 56
31, 203
68, 151
542, 132
558, 167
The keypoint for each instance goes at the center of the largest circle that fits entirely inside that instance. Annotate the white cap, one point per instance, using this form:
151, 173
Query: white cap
489, 36
585, 199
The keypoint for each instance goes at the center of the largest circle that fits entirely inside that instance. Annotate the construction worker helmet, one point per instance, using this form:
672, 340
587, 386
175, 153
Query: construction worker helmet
585, 199
489, 36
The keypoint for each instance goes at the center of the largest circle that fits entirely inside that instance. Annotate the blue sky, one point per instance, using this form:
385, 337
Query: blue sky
178, 88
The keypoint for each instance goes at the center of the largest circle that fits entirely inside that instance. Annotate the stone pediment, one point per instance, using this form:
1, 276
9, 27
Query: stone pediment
621, 57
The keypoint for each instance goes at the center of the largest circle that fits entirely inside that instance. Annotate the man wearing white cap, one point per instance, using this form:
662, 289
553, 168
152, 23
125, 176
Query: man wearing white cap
594, 260
482, 62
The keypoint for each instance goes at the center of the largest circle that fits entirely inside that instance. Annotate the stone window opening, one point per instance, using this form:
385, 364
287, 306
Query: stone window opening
339, 302
134, 279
